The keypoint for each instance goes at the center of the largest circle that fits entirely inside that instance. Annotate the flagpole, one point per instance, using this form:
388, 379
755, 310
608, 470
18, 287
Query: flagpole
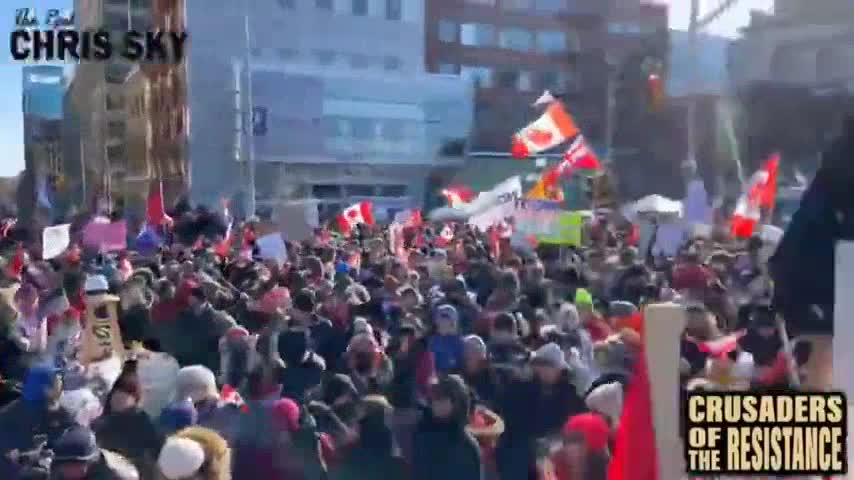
250, 128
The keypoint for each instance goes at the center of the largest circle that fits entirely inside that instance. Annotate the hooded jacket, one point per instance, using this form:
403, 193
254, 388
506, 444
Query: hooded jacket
442, 447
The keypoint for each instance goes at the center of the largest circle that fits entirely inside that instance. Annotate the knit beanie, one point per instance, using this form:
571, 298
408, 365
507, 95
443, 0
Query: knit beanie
607, 399
196, 382
475, 344
180, 458
178, 415
285, 414
583, 298
592, 428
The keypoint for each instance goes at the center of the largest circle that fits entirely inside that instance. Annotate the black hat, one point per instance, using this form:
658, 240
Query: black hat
304, 301
77, 444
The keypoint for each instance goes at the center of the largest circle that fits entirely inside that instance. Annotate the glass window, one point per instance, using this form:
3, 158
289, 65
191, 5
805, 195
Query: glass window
448, 68
508, 79
551, 42
326, 191
393, 131
360, 190
488, 3
360, 62
323, 4
393, 191
477, 35
287, 53
116, 129
288, 4
554, 80
480, 76
550, 6
363, 128
516, 5
325, 57
516, 39
391, 63
115, 153
256, 52
447, 31
526, 81
392, 9
360, 7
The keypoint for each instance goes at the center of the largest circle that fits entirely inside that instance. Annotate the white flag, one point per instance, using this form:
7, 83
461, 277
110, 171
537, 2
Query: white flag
55, 240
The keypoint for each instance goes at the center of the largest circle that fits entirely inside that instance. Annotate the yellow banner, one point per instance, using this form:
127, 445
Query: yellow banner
102, 338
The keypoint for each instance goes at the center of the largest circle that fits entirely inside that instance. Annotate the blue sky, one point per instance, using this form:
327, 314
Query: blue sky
11, 122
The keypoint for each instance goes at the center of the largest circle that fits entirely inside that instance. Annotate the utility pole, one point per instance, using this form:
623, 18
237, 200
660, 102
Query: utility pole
692, 99
248, 126
610, 107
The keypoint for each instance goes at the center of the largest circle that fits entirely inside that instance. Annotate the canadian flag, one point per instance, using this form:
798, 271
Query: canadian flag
579, 155
760, 192
353, 215
458, 196
554, 127
446, 236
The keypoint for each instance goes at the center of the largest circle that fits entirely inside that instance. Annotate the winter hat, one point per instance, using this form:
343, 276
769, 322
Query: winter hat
197, 383
293, 345
583, 298
567, 317
447, 313
285, 414
178, 415
606, 399
550, 354
364, 342
361, 325
337, 386
475, 344
180, 458
96, 284
592, 428
621, 309
77, 444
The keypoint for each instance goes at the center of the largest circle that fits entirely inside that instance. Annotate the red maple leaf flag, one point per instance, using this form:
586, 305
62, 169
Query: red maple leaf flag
155, 211
458, 196
579, 155
760, 192
554, 127
359, 213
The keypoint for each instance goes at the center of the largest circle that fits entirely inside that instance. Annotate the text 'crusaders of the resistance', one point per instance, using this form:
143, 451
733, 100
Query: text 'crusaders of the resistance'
66, 45
740, 433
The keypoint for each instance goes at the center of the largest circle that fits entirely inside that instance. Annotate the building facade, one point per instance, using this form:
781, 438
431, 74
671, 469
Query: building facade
43, 92
131, 118
342, 112
793, 71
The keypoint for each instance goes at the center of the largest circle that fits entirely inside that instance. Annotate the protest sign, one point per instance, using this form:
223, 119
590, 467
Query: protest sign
272, 247
102, 338
298, 219
566, 230
105, 235
55, 240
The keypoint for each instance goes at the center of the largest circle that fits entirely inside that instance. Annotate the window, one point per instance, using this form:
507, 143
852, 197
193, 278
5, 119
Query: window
323, 4
554, 80
256, 52
325, 57
550, 6
360, 62
116, 153
447, 31
480, 76
551, 42
360, 7
363, 128
326, 191
391, 63
288, 4
287, 53
526, 82
393, 10
488, 3
360, 190
516, 5
393, 191
477, 35
508, 79
115, 102
516, 39
116, 129
393, 131
448, 68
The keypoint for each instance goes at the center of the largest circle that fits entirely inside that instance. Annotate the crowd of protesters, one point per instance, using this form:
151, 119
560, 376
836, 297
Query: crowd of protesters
348, 362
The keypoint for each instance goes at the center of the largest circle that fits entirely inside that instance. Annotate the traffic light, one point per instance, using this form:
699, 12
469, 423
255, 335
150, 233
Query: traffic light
259, 121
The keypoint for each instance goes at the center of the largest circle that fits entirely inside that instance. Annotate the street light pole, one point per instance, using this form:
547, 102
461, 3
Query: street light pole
249, 125
692, 98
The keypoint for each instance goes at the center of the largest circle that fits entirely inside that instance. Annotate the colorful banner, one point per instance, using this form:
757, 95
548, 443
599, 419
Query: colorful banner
566, 229
105, 236
543, 219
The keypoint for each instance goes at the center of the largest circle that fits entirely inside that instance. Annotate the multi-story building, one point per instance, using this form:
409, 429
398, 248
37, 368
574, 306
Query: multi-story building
42, 107
131, 117
793, 71
344, 110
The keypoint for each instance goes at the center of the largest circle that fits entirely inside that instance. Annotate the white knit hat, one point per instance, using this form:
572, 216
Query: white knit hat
475, 344
196, 382
607, 399
180, 458
550, 354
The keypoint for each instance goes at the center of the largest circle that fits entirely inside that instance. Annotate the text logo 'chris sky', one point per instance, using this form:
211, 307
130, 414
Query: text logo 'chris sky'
55, 39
